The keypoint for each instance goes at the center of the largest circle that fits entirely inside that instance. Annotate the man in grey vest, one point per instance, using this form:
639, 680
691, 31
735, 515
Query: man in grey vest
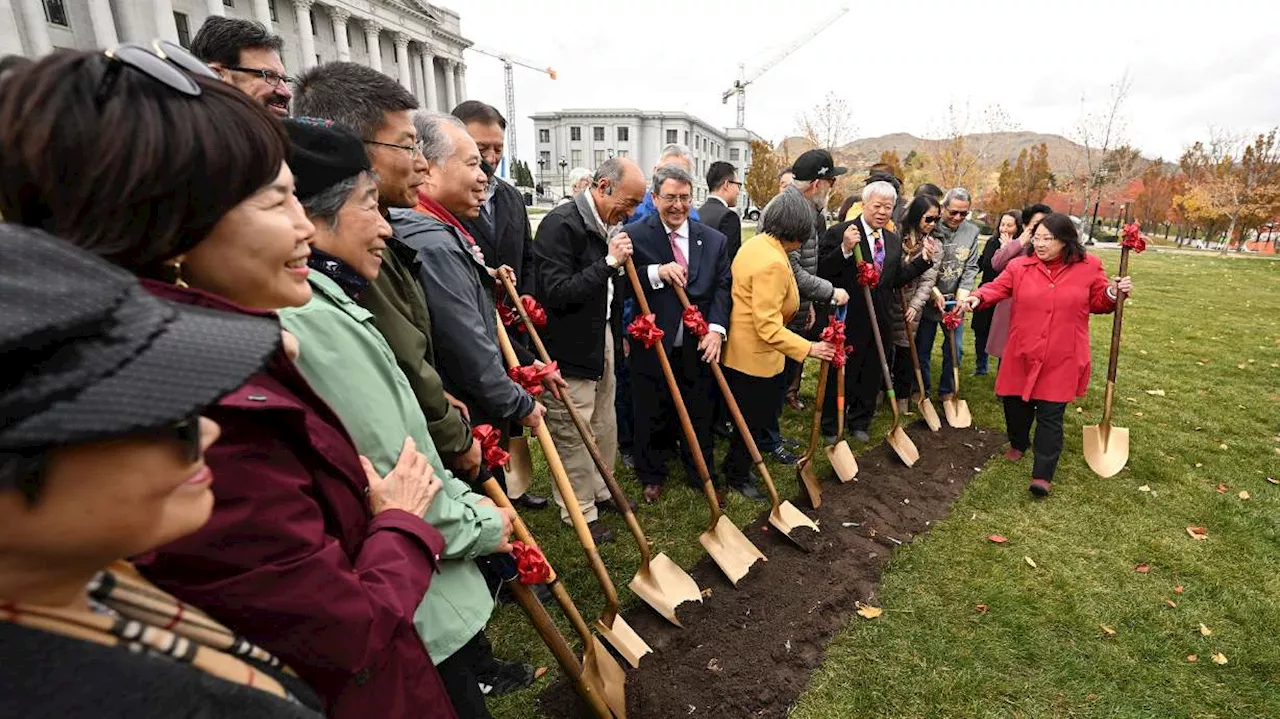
957, 273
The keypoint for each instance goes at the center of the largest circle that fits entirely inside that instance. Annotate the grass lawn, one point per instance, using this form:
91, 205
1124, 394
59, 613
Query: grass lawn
1206, 332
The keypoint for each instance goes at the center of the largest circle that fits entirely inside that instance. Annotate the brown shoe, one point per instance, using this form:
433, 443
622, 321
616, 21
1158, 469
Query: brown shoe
794, 401
904, 407
946, 397
652, 493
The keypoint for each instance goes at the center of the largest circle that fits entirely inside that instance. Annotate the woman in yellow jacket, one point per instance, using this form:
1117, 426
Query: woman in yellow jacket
764, 299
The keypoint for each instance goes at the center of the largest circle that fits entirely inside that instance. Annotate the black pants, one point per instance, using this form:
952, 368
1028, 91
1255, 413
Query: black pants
461, 676
760, 399
862, 380
1047, 416
657, 426
904, 376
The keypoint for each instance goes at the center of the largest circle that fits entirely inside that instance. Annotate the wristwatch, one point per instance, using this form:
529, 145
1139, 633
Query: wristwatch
611, 261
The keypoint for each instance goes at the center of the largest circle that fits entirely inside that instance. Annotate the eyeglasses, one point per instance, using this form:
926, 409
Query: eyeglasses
413, 150
186, 431
163, 62
673, 199
271, 77
930, 219
734, 182
957, 213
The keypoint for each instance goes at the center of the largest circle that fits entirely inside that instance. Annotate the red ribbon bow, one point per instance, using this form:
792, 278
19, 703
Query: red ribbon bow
530, 564
488, 437
511, 318
833, 334
952, 319
1133, 238
694, 320
868, 275
644, 329
531, 377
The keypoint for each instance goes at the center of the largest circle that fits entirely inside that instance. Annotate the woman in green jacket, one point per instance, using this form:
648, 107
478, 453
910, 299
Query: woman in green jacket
350, 365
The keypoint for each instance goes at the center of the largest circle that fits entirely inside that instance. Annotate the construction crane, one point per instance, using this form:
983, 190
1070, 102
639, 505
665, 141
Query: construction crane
508, 61
740, 86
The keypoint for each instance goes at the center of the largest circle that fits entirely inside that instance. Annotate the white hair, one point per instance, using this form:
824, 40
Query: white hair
578, 174
879, 188
675, 150
434, 143
956, 193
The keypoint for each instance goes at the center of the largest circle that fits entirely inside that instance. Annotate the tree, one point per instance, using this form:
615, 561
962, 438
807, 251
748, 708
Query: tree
951, 160
1220, 191
1099, 133
1155, 202
890, 158
762, 175
828, 125
1025, 182
521, 175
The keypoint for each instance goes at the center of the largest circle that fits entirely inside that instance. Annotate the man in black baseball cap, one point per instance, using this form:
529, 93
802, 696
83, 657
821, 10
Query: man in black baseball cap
817, 165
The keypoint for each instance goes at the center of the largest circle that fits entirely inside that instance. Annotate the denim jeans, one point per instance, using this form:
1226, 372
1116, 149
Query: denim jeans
925, 335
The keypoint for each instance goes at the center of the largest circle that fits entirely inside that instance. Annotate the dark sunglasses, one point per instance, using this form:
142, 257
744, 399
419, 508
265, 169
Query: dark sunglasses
930, 219
186, 431
161, 61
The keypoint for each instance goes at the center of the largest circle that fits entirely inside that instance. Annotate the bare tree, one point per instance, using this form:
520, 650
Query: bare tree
1099, 133
829, 125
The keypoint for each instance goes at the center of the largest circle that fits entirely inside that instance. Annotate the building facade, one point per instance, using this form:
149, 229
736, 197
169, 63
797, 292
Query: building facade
417, 43
586, 138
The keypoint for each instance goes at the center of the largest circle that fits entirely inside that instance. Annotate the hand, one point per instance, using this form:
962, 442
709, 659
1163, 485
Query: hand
673, 274
961, 294
840, 297
508, 516
852, 236
620, 248
534, 418
506, 271
822, 351
912, 316
459, 405
1025, 237
710, 347
940, 302
553, 382
468, 463
410, 486
1123, 285
969, 304
626, 347
812, 319
931, 248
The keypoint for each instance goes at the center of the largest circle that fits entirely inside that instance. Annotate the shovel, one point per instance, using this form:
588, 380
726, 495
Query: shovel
805, 476
898, 439
598, 678
956, 409
659, 581
726, 544
839, 454
612, 627
1106, 448
922, 400
518, 469
782, 515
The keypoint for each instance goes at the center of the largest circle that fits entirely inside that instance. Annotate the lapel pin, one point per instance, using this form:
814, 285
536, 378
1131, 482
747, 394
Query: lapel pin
699, 243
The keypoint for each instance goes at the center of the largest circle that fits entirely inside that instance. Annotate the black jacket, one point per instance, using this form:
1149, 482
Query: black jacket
510, 238
572, 282
718, 216
843, 273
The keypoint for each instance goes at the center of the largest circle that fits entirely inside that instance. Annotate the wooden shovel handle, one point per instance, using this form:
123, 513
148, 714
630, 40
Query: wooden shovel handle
1113, 362
561, 478
911, 343
816, 428
690, 437
588, 438
875, 327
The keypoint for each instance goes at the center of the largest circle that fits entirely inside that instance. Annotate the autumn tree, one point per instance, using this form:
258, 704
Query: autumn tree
890, 158
1155, 202
1221, 191
1025, 182
829, 125
762, 174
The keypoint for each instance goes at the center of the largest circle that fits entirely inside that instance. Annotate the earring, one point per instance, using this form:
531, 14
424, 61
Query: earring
177, 275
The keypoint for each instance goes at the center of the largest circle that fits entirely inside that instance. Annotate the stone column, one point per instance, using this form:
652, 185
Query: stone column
104, 23
215, 7
340, 19
306, 32
432, 100
402, 60
419, 88
450, 87
460, 73
371, 31
262, 13
37, 31
166, 26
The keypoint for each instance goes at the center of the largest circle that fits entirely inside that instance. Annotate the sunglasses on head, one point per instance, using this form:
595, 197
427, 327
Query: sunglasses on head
162, 61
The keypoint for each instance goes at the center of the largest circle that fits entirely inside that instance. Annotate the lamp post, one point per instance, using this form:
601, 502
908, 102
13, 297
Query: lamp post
563, 164
610, 153
1114, 217
542, 164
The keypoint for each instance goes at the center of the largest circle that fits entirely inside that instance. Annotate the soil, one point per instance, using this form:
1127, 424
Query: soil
749, 651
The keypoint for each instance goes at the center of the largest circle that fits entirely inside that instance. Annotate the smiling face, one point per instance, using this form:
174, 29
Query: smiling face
271, 90
954, 212
877, 210
399, 170
458, 183
490, 141
673, 201
1047, 247
359, 234
617, 202
256, 256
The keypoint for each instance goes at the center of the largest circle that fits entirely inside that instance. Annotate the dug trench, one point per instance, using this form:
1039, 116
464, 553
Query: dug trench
748, 651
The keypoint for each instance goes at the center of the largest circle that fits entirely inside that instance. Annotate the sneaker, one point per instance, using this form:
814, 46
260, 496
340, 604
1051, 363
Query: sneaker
904, 407
829, 438
1039, 487
507, 677
980, 372
794, 402
782, 456
606, 506
1013, 455
529, 500
652, 493
628, 460
600, 533
794, 445
748, 490
861, 435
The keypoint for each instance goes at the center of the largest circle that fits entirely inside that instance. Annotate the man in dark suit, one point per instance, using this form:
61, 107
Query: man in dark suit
671, 249
717, 212
837, 263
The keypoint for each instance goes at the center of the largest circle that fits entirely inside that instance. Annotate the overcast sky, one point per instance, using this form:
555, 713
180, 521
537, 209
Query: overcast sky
899, 65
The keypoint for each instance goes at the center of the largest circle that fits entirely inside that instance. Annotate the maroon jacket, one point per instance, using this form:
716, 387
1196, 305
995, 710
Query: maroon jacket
292, 557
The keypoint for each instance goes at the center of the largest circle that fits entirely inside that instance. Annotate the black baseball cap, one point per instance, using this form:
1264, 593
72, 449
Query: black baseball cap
89, 354
322, 154
817, 165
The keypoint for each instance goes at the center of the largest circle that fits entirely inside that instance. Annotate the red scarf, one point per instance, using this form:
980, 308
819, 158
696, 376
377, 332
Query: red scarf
431, 208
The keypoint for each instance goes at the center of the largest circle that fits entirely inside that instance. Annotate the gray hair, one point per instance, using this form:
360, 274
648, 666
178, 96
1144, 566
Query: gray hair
676, 150
577, 174
879, 188
670, 172
956, 193
434, 143
611, 169
788, 217
325, 205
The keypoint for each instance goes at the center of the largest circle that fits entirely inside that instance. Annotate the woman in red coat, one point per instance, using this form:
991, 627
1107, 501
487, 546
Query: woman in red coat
1054, 288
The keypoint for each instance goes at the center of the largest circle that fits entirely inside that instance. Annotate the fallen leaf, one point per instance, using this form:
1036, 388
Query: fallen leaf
1091, 697
1219, 658
714, 665
1156, 392
866, 611
1198, 533
1222, 488
980, 608
1222, 446
997, 538
1142, 568
706, 592
1144, 488
1030, 562
1142, 351
1172, 604
1205, 631
1241, 366
1192, 658
1079, 410
1178, 589
1243, 494
1138, 414
1273, 480
1198, 465
1108, 631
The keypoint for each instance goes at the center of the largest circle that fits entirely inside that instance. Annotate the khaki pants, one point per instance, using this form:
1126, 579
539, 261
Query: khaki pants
594, 402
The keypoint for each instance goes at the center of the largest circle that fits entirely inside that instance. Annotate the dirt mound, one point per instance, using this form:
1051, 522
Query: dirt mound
748, 651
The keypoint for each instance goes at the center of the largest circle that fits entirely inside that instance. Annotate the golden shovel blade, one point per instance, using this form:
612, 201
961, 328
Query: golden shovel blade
903, 446
809, 479
665, 586
730, 549
604, 676
1106, 452
519, 468
929, 413
623, 638
842, 461
957, 411
786, 518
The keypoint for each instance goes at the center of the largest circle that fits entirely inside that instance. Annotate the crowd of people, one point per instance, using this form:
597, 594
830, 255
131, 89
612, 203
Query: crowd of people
253, 331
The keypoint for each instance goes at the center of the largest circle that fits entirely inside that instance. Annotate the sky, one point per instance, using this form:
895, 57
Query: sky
1193, 67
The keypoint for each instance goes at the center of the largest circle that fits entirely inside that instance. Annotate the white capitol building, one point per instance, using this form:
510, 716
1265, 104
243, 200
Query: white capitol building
417, 43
